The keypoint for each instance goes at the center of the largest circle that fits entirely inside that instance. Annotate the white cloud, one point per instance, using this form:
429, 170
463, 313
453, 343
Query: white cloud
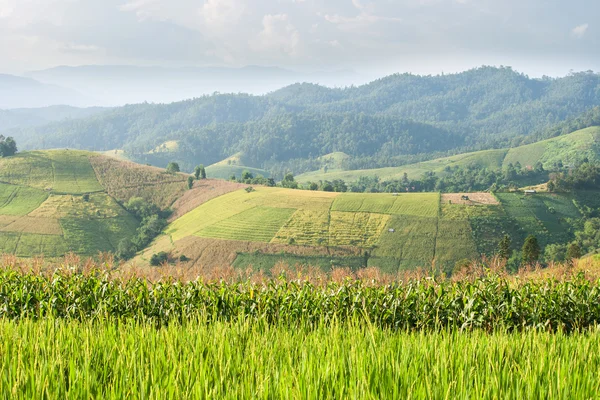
221, 15
580, 30
278, 34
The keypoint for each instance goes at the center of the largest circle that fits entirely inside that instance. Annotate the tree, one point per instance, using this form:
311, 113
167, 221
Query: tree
531, 250
159, 259
573, 251
173, 167
247, 175
200, 172
555, 253
8, 146
126, 249
190, 182
504, 248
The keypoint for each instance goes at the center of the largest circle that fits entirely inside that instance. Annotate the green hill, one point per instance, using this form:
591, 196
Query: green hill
59, 201
388, 121
567, 149
393, 232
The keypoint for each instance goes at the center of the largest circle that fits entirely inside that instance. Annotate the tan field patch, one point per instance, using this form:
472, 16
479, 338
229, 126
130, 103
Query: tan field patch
124, 180
42, 226
99, 206
6, 220
203, 191
475, 199
215, 253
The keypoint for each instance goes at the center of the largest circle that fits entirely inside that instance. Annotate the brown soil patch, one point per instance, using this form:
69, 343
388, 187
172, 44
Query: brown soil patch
215, 253
203, 191
475, 199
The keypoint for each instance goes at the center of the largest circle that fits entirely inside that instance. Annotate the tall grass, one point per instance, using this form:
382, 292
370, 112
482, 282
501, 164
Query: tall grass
62, 359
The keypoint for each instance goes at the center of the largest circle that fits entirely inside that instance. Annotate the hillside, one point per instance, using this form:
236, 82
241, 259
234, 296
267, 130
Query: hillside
392, 232
568, 149
383, 123
30, 117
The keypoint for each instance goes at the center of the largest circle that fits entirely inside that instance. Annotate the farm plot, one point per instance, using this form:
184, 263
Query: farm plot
98, 206
358, 202
124, 180
474, 199
19, 200
73, 173
89, 236
63, 171
408, 237
454, 242
288, 198
256, 224
266, 262
356, 229
211, 212
418, 204
306, 227
540, 215
43, 226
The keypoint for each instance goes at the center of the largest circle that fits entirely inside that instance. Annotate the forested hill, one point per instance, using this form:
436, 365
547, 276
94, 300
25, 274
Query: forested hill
392, 120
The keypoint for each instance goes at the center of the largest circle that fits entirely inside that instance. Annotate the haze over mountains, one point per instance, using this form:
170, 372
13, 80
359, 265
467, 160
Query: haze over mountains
117, 85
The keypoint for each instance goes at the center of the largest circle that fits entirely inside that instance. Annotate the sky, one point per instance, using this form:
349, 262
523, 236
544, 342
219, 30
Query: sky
538, 37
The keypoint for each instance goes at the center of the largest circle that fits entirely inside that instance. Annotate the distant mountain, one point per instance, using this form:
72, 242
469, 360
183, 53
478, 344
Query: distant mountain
18, 92
31, 117
396, 120
119, 85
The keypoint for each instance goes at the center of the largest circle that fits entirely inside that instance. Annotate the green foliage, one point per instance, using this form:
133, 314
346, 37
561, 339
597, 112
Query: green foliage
8, 146
159, 259
573, 251
200, 172
531, 250
173, 167
494, 304
504, 247
190, 182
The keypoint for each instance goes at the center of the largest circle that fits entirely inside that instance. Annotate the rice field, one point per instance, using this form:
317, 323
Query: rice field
59, 359
258, 224
60, 171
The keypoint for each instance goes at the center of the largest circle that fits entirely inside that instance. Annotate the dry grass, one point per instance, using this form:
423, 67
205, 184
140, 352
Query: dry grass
217, 253
124, 180
190, 271
203, 191
42, 226
475, 199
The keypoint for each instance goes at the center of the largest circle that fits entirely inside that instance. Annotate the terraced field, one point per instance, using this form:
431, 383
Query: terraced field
393, 232
43, 212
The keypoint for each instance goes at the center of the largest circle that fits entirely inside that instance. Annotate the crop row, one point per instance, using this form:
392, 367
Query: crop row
489, 303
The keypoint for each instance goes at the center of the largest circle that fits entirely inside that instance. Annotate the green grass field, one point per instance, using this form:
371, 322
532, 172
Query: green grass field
61, 171
226, 171
567, 149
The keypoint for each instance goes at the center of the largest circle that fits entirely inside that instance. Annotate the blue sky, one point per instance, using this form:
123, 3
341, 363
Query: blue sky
379, 36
